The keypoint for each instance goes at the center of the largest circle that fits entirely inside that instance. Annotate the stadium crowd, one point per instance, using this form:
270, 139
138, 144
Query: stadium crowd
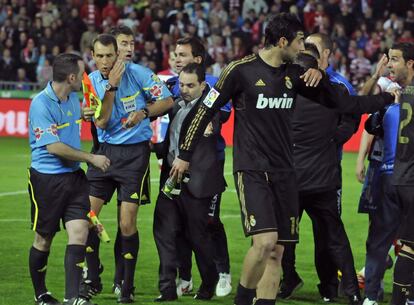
32, 33
55, 42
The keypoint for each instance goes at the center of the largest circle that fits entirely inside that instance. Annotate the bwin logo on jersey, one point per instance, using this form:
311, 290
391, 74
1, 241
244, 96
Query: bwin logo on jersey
274, 102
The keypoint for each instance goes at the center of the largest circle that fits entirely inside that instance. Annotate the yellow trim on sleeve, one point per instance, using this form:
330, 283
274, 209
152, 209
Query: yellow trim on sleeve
130, 98
63, 126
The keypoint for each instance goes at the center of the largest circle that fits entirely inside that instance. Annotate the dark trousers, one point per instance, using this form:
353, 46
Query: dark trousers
219, 240
188, 216
332, 247
383, 228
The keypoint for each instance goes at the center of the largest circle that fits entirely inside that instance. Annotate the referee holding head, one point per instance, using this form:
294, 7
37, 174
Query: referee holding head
124, 132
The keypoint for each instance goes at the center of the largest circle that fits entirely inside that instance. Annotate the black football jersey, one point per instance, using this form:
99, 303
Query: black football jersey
404, 158
263, 98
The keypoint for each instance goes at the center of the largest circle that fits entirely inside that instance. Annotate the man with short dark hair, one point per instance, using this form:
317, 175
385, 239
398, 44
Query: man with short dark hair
187, 213
401, 67
263, 89
123, 132
58, 187
191, 50
318, 134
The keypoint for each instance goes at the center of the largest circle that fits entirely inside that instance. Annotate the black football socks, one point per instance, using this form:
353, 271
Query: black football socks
74, 263
38, 266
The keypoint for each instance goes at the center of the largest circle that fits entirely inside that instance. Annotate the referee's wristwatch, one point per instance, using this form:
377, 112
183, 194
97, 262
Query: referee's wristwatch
146, 112
109, 87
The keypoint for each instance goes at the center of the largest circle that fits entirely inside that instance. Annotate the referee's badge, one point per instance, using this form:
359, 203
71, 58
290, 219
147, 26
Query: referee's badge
288, 82
252, 221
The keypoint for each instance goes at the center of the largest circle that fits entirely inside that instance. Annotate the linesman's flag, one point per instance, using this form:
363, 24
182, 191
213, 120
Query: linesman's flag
89, 93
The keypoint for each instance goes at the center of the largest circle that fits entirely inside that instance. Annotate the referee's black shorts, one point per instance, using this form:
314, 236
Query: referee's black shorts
269, 203
405, 195
57, 196
128, 173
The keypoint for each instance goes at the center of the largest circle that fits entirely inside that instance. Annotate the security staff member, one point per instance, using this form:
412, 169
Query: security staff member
188, 212
316, 166
318, 134
189, 50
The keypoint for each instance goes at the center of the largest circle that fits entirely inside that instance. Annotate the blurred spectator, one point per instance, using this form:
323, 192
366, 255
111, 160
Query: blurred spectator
220, 64
111, 10
360, 38
373, 45
409, 21
218, 13
150, 54
91, 14
258, 28
75, 27
89, 61
87, 37
309, 12
46, 15
170, 71
340, 38
360, 68
8, 66
47, 39
200, 23
22, 80
392, 22
239, 48
347, 19
257, 6
45, 72
59, 35
29, 57
145, 22
36, 30
216, 46
406, 37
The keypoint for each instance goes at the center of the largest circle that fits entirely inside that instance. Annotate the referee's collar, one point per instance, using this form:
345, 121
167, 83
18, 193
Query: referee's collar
51, 93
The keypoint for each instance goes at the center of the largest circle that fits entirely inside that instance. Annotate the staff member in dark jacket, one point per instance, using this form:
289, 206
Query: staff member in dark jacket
316, 140
187, 213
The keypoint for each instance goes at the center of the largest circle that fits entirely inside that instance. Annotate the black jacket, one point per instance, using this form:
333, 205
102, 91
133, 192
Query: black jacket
205, 172
318, 133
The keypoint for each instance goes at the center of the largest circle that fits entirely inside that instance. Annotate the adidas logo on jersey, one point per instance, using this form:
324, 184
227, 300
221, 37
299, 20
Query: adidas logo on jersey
260, 83
274, 102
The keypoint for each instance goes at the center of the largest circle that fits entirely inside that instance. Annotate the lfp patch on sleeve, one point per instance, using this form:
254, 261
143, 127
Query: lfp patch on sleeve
211, 98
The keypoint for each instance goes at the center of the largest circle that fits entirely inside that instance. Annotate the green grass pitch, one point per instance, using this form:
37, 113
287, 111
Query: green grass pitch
16, 237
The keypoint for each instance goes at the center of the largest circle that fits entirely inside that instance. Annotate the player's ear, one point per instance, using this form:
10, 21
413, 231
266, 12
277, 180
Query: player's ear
283, 42
71, 77
410, 64
197, 59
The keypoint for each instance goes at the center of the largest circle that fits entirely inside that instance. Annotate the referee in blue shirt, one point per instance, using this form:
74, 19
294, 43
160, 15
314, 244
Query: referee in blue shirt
123, 129
58, 187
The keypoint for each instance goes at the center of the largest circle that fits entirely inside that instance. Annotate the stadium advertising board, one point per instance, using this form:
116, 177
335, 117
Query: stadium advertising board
14, 113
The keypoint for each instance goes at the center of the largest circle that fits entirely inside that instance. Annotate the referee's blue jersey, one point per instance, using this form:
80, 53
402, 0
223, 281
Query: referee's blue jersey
51, 121
138, 86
